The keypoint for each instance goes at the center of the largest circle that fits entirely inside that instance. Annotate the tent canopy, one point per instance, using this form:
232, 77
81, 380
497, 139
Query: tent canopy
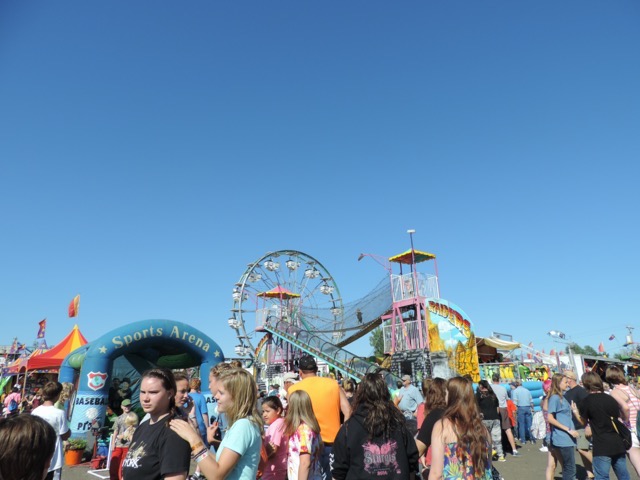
22, 363
407, 257
497, 343
279, 292
54, 357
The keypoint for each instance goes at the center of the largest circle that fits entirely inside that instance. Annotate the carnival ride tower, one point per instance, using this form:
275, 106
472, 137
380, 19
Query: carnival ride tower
424, 334
405, 328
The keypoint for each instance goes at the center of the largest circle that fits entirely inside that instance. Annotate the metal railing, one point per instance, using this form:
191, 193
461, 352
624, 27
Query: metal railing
404, 286
341, 359
406, 337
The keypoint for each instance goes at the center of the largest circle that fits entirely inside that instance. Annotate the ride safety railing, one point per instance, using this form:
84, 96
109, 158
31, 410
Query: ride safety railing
406, 334
405, 286
343, 360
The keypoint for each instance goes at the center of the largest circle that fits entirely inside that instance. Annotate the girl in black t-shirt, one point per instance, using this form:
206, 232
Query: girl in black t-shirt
156, 452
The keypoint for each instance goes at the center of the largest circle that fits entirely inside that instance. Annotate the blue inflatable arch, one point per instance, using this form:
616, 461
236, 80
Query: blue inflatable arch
164, 343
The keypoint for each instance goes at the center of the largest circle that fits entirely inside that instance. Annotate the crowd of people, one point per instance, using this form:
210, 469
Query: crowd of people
312, 428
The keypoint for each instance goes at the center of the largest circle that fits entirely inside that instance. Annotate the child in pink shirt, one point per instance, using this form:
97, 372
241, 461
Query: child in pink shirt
274, 467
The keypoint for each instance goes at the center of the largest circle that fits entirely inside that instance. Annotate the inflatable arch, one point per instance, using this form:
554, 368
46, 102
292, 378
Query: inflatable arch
163, 343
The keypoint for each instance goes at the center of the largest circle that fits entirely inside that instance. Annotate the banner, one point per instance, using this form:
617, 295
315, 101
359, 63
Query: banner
74, 306
42, 324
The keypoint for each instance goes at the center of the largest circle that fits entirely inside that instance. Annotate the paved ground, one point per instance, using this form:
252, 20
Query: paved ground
529, 466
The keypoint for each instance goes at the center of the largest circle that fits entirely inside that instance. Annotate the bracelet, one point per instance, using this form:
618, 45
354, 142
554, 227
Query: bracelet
201, 456
198, 453
197, 446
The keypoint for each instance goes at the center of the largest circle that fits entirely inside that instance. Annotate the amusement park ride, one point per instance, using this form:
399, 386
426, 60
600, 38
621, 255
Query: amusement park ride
293, 300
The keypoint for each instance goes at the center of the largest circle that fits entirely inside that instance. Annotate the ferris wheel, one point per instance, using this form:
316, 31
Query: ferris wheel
289, 286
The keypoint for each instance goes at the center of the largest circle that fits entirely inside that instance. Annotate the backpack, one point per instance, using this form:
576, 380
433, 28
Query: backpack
13, 406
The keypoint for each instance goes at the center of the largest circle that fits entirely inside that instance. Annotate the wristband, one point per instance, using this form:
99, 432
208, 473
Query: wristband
199, 458
197, 446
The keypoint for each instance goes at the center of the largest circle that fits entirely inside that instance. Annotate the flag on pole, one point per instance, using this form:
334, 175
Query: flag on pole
14, 346
42, 324
601, 347
74, 306
612, 337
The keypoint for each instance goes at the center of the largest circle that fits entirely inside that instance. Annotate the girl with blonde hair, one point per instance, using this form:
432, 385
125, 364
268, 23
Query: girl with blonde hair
563, 432
305, 443
238, 455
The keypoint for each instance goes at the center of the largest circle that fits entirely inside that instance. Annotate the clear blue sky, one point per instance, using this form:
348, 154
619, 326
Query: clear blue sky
149, 150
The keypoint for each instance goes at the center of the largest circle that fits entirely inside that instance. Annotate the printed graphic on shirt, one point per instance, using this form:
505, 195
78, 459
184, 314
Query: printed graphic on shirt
133, 457
380, 460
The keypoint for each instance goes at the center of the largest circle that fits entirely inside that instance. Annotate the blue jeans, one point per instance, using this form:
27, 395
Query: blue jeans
602, 465
325, 463
524, 423
568, 462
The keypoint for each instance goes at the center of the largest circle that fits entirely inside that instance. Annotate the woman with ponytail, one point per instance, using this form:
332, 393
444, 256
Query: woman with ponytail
156, 452
460, 442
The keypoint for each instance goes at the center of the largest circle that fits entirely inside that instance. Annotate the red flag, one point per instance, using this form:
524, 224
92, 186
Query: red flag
601, 347
74, 306
42, 324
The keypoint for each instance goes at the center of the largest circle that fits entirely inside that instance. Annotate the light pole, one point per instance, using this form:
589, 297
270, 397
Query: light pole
411, 231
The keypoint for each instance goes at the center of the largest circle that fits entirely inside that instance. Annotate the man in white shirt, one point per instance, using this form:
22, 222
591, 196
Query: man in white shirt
55, 417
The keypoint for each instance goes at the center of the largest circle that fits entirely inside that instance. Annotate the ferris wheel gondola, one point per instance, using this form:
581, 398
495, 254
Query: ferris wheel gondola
284, 286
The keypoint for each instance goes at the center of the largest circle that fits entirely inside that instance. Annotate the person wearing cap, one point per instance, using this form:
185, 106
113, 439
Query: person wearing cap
524, 402
118, 452
409, 397
289, 379
577, 394
327, 401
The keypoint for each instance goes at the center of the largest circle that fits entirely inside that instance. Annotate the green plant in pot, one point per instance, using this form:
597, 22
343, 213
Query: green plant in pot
76, 444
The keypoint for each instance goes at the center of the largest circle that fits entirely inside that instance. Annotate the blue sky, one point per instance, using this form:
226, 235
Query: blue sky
149, 150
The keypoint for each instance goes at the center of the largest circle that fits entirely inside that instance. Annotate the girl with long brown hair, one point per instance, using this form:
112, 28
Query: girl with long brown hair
374, 442
460, 441
435, 402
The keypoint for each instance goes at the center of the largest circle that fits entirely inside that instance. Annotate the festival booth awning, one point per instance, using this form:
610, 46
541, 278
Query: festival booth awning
488, 348
497, 343
54, 357
22, 363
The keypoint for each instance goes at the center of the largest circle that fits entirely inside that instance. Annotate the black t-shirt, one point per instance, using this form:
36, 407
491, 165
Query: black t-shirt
155, 451
426, 429
576, 394
597, 409
356, 455
488, 406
